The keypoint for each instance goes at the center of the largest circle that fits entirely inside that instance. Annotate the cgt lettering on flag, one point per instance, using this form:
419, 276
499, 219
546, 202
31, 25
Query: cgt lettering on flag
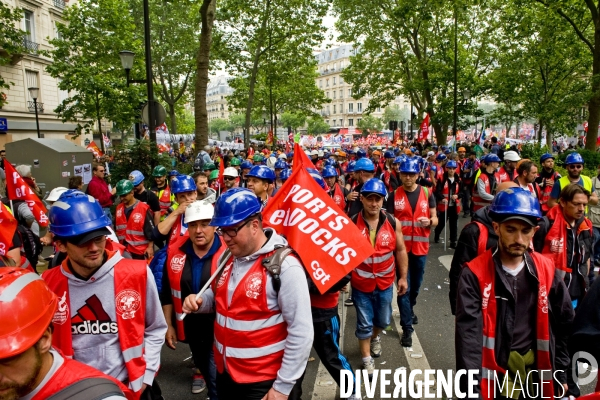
328, 243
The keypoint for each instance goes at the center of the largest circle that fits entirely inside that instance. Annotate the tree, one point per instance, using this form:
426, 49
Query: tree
86, 58
316, 125
293, 120
370, 123
11, 39
394, 113
217, 125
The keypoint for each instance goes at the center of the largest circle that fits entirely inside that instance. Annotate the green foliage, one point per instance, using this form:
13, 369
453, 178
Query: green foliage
294, 120
316, 125
533, 151
370, 123
217, 125
141, 155
10, 41
185, 120
394, 113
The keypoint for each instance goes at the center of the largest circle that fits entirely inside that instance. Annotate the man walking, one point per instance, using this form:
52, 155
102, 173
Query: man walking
546, 180
98, 189
134, 223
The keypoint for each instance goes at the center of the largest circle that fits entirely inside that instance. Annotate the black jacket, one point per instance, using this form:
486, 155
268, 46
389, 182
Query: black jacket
454, 188
466, 249
469, 321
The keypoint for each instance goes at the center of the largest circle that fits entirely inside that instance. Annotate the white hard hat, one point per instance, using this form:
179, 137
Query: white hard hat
511, 156
198, 210
230, 171
271, 162
55, 193
320, 153
282, 156
314, 153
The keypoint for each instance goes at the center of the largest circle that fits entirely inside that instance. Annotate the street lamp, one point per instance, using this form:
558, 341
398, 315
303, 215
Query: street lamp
34, 93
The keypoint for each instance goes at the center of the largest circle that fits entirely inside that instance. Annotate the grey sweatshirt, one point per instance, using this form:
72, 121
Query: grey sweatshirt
101, 349
293, 301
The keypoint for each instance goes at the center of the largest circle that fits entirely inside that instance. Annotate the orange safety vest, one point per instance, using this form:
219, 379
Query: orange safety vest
131, 231
249, 337
483, 268
416, 237
545, 193
71, 372
175, 262
446, 193
130, 300
377, 271
338, 196
478, 201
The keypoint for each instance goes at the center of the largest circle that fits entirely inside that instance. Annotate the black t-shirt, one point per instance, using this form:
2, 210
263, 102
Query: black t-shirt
524, 291
149, 198
413, 198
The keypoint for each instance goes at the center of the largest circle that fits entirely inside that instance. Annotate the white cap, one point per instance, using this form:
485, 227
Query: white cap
314, 153
198, 210
282, 156
320, 153
511, 156
430, 153
230, 171
55, 193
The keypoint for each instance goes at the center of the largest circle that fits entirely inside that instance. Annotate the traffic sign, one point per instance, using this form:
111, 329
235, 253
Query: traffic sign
159, 113
3, 125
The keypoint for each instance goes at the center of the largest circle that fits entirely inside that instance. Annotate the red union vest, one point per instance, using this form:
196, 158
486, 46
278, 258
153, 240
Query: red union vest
545, 193
249, 337
485, 271
503, 176
175, 263
131, 231
164, 200
416, 237
178, 230
338, 196
445, 192
130, 299
439, 172
478, 201
71, 372
377, 271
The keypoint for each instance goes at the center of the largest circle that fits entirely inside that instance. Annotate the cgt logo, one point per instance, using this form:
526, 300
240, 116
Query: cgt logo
319, 273
486, 295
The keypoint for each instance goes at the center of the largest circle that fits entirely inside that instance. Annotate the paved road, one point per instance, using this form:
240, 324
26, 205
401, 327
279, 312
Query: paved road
433, 341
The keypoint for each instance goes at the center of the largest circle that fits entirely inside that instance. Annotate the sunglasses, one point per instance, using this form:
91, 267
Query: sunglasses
579, 166
101, 170
229, 178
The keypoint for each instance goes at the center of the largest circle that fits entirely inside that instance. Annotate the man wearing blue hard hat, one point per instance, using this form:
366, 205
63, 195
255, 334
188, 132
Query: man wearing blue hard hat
364, 169
486, 182
146, 196
260, 180
546, 180
574, 164
261, 314
513, 311
185, 191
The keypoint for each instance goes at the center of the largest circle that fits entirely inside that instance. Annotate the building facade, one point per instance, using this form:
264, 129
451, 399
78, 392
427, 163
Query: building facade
216, 97
29, 70
343, 111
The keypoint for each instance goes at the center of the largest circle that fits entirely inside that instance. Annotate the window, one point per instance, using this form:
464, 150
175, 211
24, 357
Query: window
341, 122
327, 94
350, 107
321, 83
341, 94
32, 81
341, 80
327, 82
334, 111
334, 93
334, 119
349, 92
62, 94
57, 34
334, 80
350, 122
378, 109
358, 121
359, 107
29, 25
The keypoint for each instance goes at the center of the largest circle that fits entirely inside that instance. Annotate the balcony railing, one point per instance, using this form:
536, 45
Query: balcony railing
31, 106
30, 47
59, 3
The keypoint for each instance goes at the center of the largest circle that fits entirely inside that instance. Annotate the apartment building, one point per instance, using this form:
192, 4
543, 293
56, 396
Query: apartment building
28, 70
216, 97
343, 111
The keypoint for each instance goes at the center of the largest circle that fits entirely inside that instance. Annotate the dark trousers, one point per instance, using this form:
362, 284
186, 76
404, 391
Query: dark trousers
452, 224
466, 200
201, 348
138, 256
327, 345
227, 388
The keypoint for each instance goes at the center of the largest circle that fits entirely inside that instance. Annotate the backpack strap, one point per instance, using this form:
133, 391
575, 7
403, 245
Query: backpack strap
273, 264
89, 389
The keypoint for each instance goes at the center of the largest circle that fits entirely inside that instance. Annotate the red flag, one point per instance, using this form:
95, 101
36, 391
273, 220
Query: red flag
425, 128
221, 171
269, 140
8, 226
326, 240
301, 159
93, 147
287, 147
17, 189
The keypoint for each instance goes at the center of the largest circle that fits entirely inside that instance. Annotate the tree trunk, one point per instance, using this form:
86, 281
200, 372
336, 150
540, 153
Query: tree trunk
594, 104
549, 140
207, 16
173, 119
539, 132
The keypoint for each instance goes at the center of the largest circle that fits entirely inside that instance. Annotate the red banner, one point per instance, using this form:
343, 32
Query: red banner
269, 140
8, 226
425, 128
300, 158
93, 147
17, 189
221, 178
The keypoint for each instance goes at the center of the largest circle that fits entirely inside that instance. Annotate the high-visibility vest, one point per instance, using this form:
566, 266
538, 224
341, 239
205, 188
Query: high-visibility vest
446, 193
484, 269
377, 271
587, 184
416, 237
71, 372
176, 259
131, 231
249, 337
130, 299
338, 196
478, 201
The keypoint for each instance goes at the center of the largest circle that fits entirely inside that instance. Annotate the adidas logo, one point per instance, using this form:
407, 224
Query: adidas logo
92, 319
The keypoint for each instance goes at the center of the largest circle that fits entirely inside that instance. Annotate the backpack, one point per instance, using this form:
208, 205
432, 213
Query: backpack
31, 244
157, 265
88, 389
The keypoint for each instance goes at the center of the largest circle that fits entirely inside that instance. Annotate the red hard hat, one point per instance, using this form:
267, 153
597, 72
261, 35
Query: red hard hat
27, 306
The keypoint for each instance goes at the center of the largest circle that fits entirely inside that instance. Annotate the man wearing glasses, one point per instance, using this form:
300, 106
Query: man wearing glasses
98, 189
263, 327
574, 163
230, 177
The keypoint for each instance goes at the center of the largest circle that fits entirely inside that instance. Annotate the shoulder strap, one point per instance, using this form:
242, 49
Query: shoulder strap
426, 192
391, 219
88, 389
273, 264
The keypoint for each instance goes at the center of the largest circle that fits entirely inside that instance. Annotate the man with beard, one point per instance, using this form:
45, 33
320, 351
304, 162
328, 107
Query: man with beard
230, 178
29, 367
508, 171
490, 337
140, 193
336, 191
546, 180
526, 174
133, 223
202, 190
162, 190
574, 164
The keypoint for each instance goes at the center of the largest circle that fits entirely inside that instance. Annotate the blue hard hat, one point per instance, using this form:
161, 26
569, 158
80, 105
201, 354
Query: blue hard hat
280, 164
262, 172
440, 157
574, 158
515, 202
413, 149
447, 151
285, 174
545, 157
76, 213
329, 171
173, 172
350, 167
374, 185
326, 154
234, 206
364, 164
410, 166
388, 154
317, 177
451, 164
290, 155
182, 183
490, 158
330, 162
136, 177
435, 147
246, 165
360, 153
